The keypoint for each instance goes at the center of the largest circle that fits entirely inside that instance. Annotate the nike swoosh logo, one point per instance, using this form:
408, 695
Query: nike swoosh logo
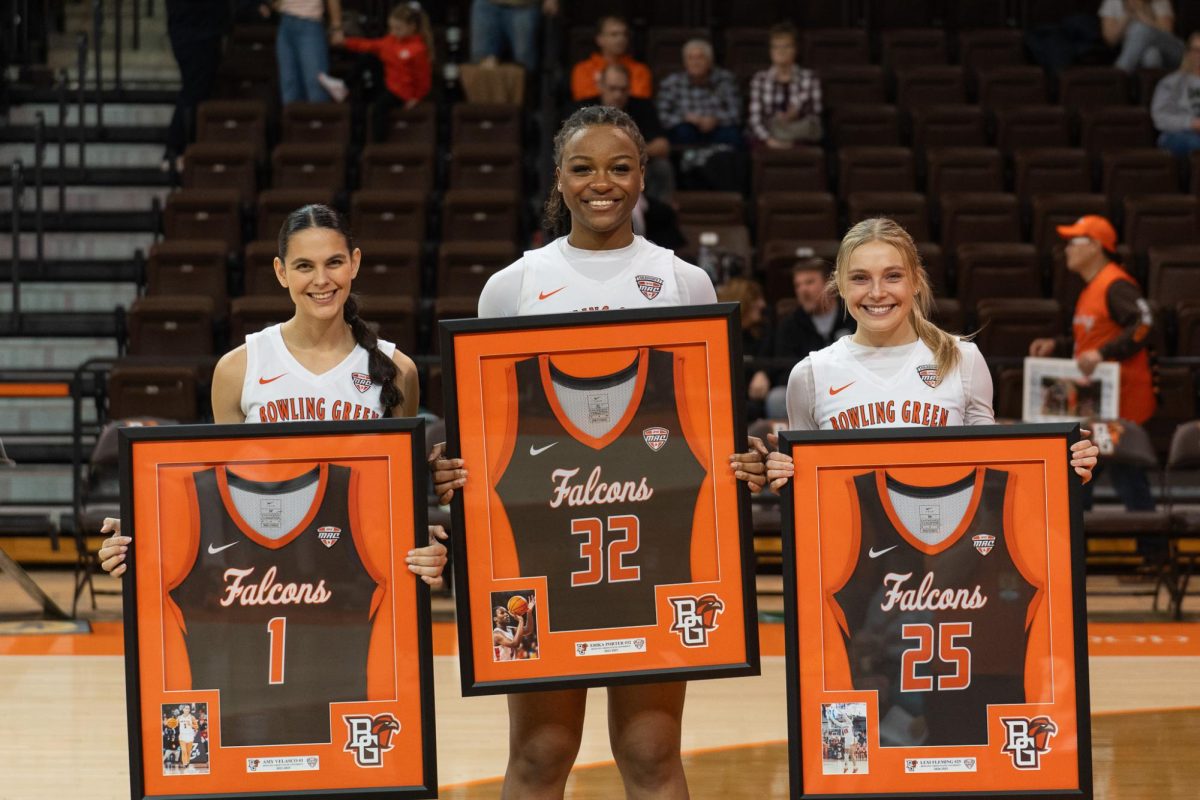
212, 551
833, 391
265, 381
873, 553
544, 295
533, 451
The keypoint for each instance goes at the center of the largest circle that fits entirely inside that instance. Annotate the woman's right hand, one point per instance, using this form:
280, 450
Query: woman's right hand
780, 469
113, 549
448, 473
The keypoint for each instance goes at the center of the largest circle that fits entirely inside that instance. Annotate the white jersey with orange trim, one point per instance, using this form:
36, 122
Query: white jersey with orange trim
187, 728
277, 388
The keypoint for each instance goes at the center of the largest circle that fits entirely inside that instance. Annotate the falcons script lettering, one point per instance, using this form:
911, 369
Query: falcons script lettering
927, 598
595, 491
269, 593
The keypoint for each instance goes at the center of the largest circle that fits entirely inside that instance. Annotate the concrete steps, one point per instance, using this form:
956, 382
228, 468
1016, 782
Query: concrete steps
64, 246
99, 155
41, 353
48, 414
70, 296
36, 484
91, 198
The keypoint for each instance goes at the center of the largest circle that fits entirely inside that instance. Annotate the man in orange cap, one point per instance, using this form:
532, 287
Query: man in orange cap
1112, 323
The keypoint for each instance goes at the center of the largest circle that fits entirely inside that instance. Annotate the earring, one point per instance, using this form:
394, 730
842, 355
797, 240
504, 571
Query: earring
560, 187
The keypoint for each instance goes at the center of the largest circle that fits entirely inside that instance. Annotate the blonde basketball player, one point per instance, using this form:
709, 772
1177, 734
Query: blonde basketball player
897, 360
186, 725
325, 353
600, 160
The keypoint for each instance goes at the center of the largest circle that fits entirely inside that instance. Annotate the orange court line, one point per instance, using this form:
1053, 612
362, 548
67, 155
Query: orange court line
1104, 639
35, 390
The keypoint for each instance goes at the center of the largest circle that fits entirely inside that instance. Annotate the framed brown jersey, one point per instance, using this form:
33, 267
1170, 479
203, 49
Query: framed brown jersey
601, 537
276, 644
936, 640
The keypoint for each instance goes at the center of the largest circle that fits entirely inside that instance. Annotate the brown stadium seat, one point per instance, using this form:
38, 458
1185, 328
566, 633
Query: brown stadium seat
251, 314
1011, 86
917, 15
415, 126
830, 47
167, 392
987, 48
796, 169
875, 169
464, 267
1050, 170
188, 266
732, 240
865, 125
852, 84
709, 208
389, 267
258, 269
1187, 325
948, 126
222, 165
450, 308
777, 258
245, 76
478, 214
1021, 127
233, 122
1162, 219
397, 165
797, 216
204, 214
999, 269
1176, 389
1114, 128
1008, 391
305, 123
963, 169
1081, 88
309, 166
1128, 173
1174, 274
486, 123
948, 315
274, 205
1194, 182
485, 166
1007, 325
388, 214
930, 86
909, 209
664, 45
979, 217
935, 264
1145, 81
171, 326
746, 52
912, 47
1052, 210
394, 318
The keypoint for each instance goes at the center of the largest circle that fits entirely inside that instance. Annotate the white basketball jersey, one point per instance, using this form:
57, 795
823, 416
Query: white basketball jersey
278, 388
187, 729
552, 284
849, 395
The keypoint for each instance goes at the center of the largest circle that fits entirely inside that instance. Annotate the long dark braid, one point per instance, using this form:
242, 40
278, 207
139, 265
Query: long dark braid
381, 368
555, 215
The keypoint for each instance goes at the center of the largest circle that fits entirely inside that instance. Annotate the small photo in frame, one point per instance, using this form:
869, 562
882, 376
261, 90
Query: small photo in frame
844, 738
514, 625
185, 738
1056, 391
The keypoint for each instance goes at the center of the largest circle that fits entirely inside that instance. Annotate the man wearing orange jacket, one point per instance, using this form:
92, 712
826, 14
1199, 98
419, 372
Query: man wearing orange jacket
612, 37
1112, 322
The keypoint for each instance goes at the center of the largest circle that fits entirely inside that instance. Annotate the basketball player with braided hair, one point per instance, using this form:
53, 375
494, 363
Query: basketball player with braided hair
898, 359
600, 159
325, 363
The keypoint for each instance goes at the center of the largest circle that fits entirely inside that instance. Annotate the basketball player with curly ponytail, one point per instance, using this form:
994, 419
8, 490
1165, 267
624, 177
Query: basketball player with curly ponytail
325, 363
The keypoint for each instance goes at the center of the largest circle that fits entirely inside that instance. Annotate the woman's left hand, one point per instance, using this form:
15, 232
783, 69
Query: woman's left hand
750, 466
428, 562
1083, 455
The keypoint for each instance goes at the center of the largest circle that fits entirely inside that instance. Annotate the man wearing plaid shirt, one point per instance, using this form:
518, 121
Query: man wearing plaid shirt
700, 105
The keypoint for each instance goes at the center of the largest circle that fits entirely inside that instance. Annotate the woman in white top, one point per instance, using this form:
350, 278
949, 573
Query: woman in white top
323, 363
600, 160
899, 369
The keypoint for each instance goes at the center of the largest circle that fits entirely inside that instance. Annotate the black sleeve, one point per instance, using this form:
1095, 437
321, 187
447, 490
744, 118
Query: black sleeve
1130, 310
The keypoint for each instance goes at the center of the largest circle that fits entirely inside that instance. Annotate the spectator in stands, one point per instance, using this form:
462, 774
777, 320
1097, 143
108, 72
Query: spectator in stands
615, 92
406, 57
500, 27
756, 338
785, 100
612, 37
820, 319
1142, 31
195, 29
302, 47
701, 104
1112, 322
1176, 106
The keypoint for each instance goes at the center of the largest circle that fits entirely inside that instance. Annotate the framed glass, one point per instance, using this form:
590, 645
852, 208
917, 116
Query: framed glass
1055, 390
601, 537
276, 644
936, 640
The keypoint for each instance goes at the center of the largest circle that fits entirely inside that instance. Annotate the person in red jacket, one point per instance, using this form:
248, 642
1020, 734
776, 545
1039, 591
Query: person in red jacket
406, 55
1112, 322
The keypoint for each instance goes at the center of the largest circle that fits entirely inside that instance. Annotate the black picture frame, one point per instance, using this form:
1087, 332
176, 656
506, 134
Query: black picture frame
414, 429
790, 442
557, 326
